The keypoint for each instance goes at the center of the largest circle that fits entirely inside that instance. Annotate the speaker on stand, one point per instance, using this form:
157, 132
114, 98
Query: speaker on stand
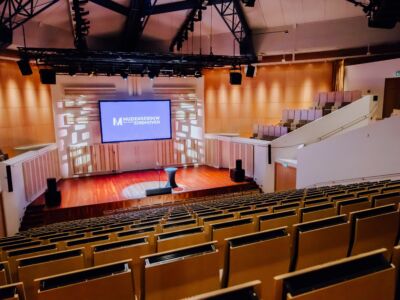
237, 174
52, 195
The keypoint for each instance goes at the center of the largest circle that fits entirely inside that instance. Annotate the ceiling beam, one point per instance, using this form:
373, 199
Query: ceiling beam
156, 9
134, 24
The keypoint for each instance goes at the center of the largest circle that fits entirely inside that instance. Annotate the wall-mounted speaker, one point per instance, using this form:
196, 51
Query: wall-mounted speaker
235, 78
9, 178
24, 67
5, 36
269, 154
47, 76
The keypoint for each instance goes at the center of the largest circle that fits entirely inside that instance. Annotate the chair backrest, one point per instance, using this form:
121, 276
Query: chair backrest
311, 114
13, 255
323, 98
209, 220
245, 291
331, 97
254, 212
350, 205
285, 115
261, 255
275, 220
4, 273
271, 130
284, 130
30, 268
291, 114
316, 100
318, 113
347, 97
111, 281
86, 243
367, 276
304, 114
181, 238
385, 199
297, 114
14, 245
13, 291
173, 226
317, 212
339, 98
265, 131
181, 272
277, 131
255, 129
374, 228
313, 243
286, 206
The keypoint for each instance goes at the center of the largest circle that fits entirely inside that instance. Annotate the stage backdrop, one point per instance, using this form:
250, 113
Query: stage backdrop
78, 128
260, 100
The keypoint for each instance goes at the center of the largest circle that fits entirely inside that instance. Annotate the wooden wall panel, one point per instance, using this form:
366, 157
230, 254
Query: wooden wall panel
285, 178
26, 114
234, 109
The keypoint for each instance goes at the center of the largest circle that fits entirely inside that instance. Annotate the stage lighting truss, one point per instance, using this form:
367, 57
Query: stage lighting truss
106, 63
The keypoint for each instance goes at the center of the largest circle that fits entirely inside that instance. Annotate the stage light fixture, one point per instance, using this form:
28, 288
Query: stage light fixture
24, 67
235, 76
47, 76
250, 71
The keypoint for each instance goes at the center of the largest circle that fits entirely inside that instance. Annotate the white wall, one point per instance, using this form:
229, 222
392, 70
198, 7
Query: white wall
370, 78
361, 153
352, 116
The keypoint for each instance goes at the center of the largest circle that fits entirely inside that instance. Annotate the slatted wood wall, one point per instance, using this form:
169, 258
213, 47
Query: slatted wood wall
178, 152
37, 170
96, 158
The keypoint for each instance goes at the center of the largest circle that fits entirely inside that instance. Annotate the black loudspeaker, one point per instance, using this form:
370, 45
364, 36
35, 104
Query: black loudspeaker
47, 76
269, 154
5, 37
9, 179
384, 14
237, 174
158, 191
375, 98
24, 67
235, 78
250, 71
239, 164
52, 196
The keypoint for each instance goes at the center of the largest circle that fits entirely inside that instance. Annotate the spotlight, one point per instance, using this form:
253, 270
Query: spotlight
124, 75
24, 67
235, 76
47, 76
250, 71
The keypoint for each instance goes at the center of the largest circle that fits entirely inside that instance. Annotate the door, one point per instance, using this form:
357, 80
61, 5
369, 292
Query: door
391, 98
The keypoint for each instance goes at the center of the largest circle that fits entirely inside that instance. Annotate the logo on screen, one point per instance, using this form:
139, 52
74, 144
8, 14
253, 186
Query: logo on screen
117, 121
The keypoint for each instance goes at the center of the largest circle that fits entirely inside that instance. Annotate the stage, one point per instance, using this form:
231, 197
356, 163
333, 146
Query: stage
90, 196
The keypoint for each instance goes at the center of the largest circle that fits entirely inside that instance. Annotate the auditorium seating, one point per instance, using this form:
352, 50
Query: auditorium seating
374, 228
245, 291
313, 242
13, 291
357, 216
30, 268
180, 273
111, 281
260, 255
367, 276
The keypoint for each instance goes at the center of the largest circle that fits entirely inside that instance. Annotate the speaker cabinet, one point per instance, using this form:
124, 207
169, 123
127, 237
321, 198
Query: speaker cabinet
237, 174
250, 71
52, 196
235, 78
47, 76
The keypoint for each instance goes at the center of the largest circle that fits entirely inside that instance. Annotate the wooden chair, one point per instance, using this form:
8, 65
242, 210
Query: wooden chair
254, 212
167, 227
180, 273
285, 207
61, 240
276, 220
137, 233
320, 241
181, 238
28, 269
261, 255
368, 276
111, 232
315, 202
374, 228
5, 276
386, 199
207, 221
13, 291
121, 250
396, 263
245, 291
86, 243
111, 281
317, 212
13, 255
17, 245
350, 205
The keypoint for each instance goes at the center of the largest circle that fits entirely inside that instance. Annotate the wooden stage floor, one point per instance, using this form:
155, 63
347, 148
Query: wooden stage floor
118, 187
87, 197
